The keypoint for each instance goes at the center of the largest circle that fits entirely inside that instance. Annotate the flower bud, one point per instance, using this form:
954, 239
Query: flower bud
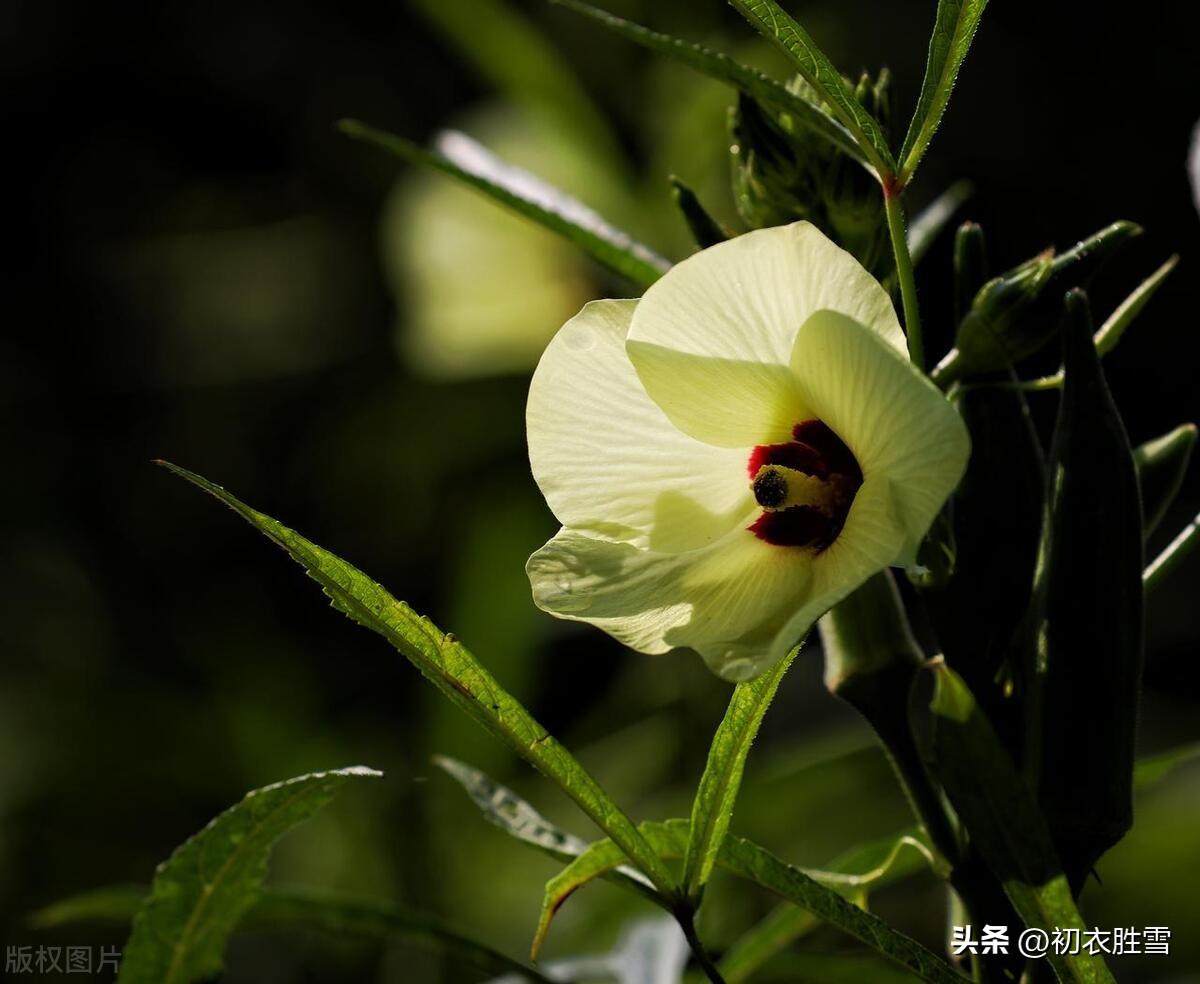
1014, 315
782, 172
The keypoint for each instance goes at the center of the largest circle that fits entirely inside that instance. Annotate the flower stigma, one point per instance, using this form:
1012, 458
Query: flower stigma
805, 487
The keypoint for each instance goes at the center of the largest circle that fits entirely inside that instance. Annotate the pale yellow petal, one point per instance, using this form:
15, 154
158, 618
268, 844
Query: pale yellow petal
608, 460
896, 422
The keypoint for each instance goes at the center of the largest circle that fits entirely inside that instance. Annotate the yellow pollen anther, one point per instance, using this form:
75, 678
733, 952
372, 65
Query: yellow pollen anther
778, 487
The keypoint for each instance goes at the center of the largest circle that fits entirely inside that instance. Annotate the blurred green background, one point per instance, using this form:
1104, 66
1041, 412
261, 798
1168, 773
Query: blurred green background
202, 269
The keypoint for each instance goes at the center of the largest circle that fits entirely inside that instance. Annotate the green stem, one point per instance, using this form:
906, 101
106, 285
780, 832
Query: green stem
904, 274
685, 915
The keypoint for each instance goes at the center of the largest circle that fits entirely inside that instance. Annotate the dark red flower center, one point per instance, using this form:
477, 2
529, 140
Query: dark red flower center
805, 487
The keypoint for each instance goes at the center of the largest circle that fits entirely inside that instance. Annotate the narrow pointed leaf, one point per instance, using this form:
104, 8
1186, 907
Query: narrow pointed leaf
712, 808
1088, 605
1173, 554
284, 908
706, 231
517, 818
995, 805
1152, 769
508, 49
775, 24
462, 158
953, 30
719, 66
747, 860
1161, 466
203, 889
446, 663
928, 224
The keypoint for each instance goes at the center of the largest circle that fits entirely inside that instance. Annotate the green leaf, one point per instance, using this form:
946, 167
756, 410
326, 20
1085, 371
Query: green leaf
1153, 769
473, 164
507, 48
202, 890
447, 664
333, 913
1173, 554
1088, 612
721, 67
775, 24
953, 30
517, 818
998, 810
712, 809
1161, 466
928, 224
753, 863
706, 231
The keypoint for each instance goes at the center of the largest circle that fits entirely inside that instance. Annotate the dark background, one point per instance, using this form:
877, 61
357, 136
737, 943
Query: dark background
202, 269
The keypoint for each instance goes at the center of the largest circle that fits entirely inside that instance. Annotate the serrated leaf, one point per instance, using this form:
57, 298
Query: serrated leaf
450, 666
1006, 828
202, 890
775, 24
517, 818
753, 863
283, 908
712, 808
468, 161
953, 30
855, 874
719, 66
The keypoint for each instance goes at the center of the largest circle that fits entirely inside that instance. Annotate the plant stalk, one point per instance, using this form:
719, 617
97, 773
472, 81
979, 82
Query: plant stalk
685, 915
904, 274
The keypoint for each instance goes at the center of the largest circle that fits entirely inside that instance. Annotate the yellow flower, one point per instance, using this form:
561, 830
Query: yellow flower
734, 453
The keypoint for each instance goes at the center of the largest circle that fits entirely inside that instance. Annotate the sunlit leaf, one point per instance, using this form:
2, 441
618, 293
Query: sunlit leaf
507, 48
953, 30
517, 818
199, 894
721, 67
712, 808
447, 664
462, 158
747, 860
775, 24
855, 874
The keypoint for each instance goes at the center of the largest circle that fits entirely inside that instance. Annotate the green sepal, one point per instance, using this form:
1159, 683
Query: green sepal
1087, 658
783, 173
706, 231
1015, 314
1161, 466
970, 267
